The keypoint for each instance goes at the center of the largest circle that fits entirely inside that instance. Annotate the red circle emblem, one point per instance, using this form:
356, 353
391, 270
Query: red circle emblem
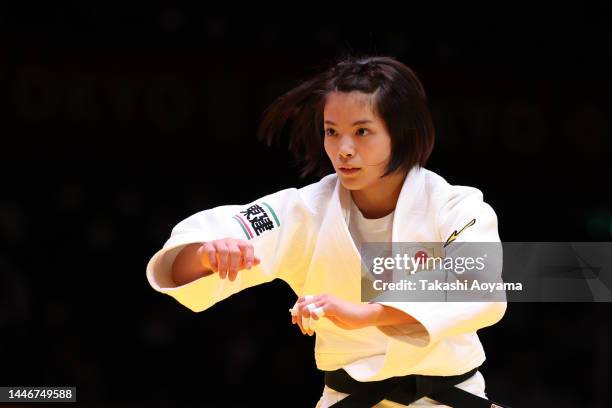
421, 255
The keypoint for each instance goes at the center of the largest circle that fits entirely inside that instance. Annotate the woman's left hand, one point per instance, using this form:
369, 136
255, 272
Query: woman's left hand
346, 315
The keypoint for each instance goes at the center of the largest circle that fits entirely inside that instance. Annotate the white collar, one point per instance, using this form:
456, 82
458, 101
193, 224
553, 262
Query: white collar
409, 201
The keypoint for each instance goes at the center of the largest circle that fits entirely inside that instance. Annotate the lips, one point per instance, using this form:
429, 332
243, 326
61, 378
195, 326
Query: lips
349, 170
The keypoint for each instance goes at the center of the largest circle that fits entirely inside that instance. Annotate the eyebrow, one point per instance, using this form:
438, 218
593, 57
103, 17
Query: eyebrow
359, 122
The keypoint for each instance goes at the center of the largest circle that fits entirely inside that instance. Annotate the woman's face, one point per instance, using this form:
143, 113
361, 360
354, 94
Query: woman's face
356, 139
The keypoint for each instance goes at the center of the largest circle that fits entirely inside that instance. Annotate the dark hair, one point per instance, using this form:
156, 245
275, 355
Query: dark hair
400, 101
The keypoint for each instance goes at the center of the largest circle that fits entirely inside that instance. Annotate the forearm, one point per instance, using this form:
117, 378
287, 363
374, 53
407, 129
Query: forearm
187, 266
380, 315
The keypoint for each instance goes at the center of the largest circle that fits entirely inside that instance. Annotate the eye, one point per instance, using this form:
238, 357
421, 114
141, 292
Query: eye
330, 132
363, 132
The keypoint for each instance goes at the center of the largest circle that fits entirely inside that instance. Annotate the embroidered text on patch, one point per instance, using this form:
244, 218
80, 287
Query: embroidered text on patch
255, 220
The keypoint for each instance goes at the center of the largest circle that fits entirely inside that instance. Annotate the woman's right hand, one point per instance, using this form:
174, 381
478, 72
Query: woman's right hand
227, 256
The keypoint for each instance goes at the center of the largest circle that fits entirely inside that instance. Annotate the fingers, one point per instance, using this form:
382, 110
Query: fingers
316, 310
234, 260
222, 257
296, 314
228, 257
299, 318
293, 315
248, 256
208, 256
306, 325
313, 306
300, 322
305, 309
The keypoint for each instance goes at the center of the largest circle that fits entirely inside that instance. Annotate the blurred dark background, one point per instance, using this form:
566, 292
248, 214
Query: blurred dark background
119, 120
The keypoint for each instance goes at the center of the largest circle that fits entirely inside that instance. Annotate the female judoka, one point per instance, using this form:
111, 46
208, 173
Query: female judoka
365, 125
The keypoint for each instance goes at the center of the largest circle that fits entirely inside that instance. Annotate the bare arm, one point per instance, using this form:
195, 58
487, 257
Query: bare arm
381, 315
349, 315
188, 266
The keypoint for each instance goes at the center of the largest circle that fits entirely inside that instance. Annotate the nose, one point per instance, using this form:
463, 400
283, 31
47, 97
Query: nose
347, 147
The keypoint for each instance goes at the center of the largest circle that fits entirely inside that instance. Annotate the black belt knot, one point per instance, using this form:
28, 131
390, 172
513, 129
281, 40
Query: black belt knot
405, 390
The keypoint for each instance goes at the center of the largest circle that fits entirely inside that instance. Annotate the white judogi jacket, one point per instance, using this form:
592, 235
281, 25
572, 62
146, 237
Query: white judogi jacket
301, 237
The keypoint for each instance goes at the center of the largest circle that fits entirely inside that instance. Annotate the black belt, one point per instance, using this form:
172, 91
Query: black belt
405, 390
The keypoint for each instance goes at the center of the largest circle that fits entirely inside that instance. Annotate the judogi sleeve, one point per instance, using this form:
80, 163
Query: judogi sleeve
277, 225
465, 217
